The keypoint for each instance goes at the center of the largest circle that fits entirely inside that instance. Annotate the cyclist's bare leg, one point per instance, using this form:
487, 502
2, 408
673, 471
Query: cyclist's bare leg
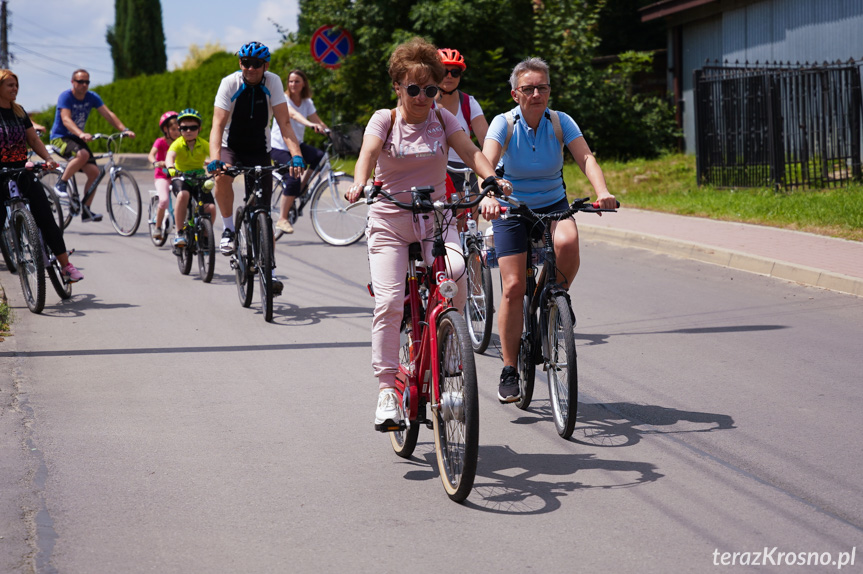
182, 207
285, 208
509, 318
163, 186
76, 163
92, 172
566, 251
211, 211
224, 194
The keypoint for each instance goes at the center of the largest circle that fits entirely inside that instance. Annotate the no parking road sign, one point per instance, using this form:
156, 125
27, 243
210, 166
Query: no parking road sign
331, 45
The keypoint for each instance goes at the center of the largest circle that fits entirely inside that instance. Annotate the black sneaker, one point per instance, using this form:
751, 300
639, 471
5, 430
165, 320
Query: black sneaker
278, 287
87, 216
508, 390
226, 245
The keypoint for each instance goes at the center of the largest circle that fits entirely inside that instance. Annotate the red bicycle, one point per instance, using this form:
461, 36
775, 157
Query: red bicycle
437, 365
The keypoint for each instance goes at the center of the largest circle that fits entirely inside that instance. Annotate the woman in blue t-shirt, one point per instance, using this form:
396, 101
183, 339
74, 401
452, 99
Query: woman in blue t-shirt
533, 162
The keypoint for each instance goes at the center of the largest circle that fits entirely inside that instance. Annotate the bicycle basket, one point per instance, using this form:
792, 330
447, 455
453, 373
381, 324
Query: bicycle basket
347, 139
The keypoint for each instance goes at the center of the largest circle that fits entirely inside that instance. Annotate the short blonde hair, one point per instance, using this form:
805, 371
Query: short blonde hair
417, 56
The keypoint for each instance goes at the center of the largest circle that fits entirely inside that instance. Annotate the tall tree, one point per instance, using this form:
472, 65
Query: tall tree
137, 38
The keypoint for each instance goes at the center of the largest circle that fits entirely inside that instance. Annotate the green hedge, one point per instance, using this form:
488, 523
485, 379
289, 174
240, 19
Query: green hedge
139, 102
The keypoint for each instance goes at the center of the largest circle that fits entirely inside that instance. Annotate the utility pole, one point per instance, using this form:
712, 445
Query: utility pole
4, 37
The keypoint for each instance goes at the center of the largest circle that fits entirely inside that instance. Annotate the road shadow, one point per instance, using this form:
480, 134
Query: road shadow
508, 482
75, 306
601, 339
624, 424
288, 314
175, 350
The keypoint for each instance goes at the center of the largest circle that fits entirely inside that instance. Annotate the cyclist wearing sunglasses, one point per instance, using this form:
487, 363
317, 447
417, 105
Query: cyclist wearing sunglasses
69, 137
246, 103
403, 148
465, 108
530, 143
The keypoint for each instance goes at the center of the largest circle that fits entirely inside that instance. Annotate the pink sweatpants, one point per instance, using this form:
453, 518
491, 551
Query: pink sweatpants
388, 241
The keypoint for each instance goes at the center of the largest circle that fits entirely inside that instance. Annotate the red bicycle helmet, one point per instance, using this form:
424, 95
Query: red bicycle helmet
165, 117
451, 57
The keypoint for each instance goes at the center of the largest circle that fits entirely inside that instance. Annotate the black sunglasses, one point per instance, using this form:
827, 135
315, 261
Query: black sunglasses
251, 63
413, 90
85, 82
455, 72
189, 128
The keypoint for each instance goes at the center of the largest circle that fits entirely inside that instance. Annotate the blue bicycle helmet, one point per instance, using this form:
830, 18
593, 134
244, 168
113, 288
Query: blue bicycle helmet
255, 50
190, 113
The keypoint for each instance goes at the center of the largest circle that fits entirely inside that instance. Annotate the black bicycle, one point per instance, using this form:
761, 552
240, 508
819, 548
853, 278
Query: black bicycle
197, 229
547, 337
21, 241
254, 241
122, 197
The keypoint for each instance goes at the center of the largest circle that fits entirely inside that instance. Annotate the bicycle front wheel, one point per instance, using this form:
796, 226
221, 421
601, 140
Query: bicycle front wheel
456, 416
526, 353
242, 261
264, 240
49, 179
124, 203
561, 366
480, 302
334, 219
206, 243
30, 258
276, 206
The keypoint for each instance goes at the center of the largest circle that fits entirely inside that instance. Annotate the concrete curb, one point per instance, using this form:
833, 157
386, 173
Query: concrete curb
726, 258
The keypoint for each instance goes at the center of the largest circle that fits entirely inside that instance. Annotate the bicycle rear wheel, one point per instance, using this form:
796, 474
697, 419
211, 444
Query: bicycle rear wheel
242, 261
153, 210
49, 179
526, 353
456, 419
480, 302
562, 368
186, 253
206, 242
264, 241
123, 201
30, 257
54, 202
55, 274
404, 442
335, 220
7, 247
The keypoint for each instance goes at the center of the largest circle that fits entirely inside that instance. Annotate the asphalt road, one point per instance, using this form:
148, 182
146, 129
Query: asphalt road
151, 424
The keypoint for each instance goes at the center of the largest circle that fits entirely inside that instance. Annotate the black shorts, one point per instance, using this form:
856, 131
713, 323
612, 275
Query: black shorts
205, 196
70, 145
511, 235
231, 157
311, 155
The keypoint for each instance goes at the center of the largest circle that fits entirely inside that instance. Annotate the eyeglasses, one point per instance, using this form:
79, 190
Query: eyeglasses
251, 63
85, 82
413, 90
543, 89
455, 72
189, 128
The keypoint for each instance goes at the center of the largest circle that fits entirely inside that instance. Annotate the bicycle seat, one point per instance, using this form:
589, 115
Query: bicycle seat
415, 251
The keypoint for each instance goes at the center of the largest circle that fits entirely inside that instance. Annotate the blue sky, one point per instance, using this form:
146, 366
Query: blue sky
51, 38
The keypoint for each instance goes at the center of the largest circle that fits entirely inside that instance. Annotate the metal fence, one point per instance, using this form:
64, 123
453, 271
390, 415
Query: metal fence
777, 125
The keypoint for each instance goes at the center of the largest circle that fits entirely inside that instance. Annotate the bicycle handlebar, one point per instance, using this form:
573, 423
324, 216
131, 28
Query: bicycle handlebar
29, 166
421, 199
520, 209
235, 170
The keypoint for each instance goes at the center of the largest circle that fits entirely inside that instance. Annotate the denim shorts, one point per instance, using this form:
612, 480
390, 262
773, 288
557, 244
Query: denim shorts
511, 235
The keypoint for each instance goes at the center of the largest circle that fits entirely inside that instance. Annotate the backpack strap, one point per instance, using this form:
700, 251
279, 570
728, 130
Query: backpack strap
510, 126
464, 100
555, 124
392, 122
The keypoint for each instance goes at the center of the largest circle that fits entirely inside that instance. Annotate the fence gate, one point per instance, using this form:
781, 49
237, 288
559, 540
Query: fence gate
778, 125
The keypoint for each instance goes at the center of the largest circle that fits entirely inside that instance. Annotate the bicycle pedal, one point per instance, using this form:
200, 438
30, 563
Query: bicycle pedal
390, 426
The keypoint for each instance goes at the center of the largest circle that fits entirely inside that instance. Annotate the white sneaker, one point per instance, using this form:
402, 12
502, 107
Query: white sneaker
387, 415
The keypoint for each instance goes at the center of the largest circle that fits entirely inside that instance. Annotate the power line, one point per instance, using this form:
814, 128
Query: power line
35, 53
